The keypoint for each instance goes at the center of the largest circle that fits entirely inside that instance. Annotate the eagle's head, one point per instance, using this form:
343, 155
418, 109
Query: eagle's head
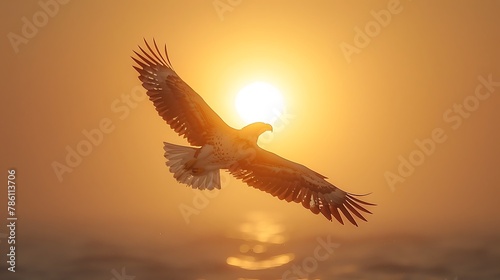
254, 130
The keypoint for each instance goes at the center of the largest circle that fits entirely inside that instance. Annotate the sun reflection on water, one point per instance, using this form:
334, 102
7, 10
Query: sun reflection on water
261, 239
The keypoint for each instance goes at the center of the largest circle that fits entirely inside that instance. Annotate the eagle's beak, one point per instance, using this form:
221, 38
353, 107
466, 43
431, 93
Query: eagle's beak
269, 128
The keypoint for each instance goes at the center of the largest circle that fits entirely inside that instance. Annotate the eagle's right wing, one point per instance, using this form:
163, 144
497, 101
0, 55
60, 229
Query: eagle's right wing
176, 102
290, 181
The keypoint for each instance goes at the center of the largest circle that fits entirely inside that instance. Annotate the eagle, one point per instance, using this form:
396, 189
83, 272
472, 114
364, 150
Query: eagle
216, 146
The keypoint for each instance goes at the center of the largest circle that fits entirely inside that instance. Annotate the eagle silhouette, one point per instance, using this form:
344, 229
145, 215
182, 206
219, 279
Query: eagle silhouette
219, 146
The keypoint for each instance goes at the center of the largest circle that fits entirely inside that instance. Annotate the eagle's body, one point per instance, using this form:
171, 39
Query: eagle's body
200, 167
218, 146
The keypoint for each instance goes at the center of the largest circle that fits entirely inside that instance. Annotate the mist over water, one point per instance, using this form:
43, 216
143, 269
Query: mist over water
258, 248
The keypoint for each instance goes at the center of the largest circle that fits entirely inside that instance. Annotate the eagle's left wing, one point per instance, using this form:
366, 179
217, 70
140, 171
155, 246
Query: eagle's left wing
294, 182
176, 102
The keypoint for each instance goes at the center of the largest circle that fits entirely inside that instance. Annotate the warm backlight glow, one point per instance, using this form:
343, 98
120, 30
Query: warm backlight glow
259, 102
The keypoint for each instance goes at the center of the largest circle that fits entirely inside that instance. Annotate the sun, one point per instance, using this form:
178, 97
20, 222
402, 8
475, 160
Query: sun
259, 102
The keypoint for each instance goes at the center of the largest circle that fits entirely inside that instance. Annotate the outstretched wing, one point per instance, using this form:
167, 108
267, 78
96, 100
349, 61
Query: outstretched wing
177, 103
294, 182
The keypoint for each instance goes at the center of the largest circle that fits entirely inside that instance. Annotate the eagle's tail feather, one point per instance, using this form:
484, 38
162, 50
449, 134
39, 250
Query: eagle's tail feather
180, 159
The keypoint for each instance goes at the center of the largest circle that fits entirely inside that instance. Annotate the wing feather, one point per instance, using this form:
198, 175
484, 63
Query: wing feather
307, 198
351, 201
177, 103
335, 212
294, 194
291, 181
354, 211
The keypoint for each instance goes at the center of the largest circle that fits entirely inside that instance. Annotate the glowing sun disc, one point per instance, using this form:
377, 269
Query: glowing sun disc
259, 102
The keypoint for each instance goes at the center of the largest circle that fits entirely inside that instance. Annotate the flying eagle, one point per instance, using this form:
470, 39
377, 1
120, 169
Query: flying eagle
219, 146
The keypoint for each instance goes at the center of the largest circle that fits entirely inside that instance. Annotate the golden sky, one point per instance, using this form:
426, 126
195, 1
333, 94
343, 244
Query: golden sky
363, 83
